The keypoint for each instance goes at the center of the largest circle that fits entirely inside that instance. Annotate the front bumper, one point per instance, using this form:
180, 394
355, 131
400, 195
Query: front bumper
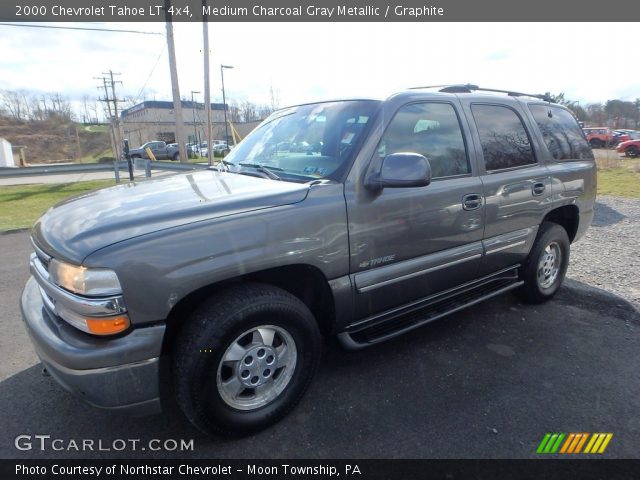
121, 373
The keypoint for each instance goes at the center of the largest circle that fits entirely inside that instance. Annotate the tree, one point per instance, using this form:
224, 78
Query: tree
621, 112
249, 111
596, 114
60, 106
14, 103
572, 105
234, 113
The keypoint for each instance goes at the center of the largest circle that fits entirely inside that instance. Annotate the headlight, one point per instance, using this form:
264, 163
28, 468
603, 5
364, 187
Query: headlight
84, 281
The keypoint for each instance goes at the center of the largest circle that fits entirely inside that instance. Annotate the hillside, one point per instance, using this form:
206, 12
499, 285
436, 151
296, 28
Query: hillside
54, 140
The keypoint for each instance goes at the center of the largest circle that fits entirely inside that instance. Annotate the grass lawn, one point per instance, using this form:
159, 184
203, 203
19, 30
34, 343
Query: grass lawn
621, 182
618, 176
21, 205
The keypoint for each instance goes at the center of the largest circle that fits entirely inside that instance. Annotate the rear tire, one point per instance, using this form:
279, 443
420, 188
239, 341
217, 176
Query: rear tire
244, 359
546, 265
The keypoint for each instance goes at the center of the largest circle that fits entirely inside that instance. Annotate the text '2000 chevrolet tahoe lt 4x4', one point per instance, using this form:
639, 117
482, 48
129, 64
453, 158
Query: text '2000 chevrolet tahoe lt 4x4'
360, 218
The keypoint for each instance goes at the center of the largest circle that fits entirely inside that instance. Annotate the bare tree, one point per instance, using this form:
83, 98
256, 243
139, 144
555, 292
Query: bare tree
36, 110
60, 106
14, 103
248, 111
264, 111
234, 113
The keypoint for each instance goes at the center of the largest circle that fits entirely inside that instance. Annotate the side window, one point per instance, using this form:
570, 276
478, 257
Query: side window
505, 143
561, 133
432, 130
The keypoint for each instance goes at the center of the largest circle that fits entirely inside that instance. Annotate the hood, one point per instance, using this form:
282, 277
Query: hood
79, 226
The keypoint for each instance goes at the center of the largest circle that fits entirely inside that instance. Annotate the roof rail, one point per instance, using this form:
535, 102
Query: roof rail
468, 88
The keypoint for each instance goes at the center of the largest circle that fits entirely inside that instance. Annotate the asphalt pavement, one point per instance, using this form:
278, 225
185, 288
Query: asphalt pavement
488, 382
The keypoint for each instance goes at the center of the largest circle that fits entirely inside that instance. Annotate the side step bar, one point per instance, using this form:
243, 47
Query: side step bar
380, 328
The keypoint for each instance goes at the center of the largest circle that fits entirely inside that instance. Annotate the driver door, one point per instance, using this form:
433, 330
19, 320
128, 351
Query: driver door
409, 243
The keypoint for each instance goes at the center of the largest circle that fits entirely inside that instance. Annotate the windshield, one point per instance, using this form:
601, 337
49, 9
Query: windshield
306, 142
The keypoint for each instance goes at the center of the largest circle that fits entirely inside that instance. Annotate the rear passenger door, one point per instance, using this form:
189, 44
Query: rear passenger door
517, 187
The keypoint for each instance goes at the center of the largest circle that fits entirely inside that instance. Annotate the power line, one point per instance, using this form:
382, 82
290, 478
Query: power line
150, 73
82, 28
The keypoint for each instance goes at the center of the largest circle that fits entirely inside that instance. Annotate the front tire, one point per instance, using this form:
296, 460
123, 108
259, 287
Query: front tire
244, 359
632, 152
546, 266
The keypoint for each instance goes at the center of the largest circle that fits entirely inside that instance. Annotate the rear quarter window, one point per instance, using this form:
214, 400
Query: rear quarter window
562, 134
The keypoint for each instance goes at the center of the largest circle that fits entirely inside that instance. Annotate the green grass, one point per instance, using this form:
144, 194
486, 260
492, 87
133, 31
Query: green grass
620, 181
97, 128
21, 205
94, 157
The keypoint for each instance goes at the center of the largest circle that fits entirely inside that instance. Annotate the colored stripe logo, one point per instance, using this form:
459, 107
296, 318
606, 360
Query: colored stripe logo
574, 442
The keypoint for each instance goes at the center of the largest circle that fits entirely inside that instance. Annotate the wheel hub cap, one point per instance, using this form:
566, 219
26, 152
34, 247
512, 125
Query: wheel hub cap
549, 265
257, 366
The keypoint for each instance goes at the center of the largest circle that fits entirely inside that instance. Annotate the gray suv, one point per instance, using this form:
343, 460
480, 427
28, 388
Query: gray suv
362, 219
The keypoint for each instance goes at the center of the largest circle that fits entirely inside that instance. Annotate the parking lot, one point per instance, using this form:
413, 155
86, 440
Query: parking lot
488, 382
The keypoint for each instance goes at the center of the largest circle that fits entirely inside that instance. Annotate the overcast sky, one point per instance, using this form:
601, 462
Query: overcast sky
309, 61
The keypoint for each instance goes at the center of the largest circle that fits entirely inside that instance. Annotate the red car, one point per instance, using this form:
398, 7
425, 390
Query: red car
631, 148
599, 137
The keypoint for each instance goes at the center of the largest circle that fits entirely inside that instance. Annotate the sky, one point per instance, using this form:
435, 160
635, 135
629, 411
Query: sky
304, 62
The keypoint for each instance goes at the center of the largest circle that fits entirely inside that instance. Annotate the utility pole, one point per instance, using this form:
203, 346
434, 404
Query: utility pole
116, 119
224, 105
193, 110
177, 102
207, 75
115, 137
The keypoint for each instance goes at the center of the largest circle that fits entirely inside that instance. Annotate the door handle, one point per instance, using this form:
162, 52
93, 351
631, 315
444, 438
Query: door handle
537, 188
472, 201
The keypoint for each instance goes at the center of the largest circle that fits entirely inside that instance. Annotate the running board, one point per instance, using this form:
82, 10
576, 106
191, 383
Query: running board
381, 328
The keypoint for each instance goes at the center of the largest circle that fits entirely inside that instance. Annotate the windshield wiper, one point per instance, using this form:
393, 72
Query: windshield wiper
266, 170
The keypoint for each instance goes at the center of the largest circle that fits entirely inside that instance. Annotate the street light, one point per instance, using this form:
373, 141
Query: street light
193, 109
224, 103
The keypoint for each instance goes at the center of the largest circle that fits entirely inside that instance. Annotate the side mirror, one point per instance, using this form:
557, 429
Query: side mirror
401, 170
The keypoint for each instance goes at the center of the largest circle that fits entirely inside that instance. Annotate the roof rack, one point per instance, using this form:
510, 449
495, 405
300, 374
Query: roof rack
468, 88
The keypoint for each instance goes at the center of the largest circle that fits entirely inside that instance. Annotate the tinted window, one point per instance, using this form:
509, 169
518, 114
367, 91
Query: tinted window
432, 130
561, 133
505, 143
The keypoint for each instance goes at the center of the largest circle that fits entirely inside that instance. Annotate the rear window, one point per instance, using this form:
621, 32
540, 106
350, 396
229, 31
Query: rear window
562, 134
504, 139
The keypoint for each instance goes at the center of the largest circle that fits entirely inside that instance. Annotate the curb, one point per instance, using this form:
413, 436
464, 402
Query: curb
15, 230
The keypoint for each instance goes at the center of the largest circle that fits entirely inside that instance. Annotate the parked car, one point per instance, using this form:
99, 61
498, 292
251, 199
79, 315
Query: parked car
619, 136
599, 137
160, 150
630, 148
414, 207
219, 146
221, 149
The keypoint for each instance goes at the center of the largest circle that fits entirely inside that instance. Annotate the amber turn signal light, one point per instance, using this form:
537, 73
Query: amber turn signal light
108, 326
